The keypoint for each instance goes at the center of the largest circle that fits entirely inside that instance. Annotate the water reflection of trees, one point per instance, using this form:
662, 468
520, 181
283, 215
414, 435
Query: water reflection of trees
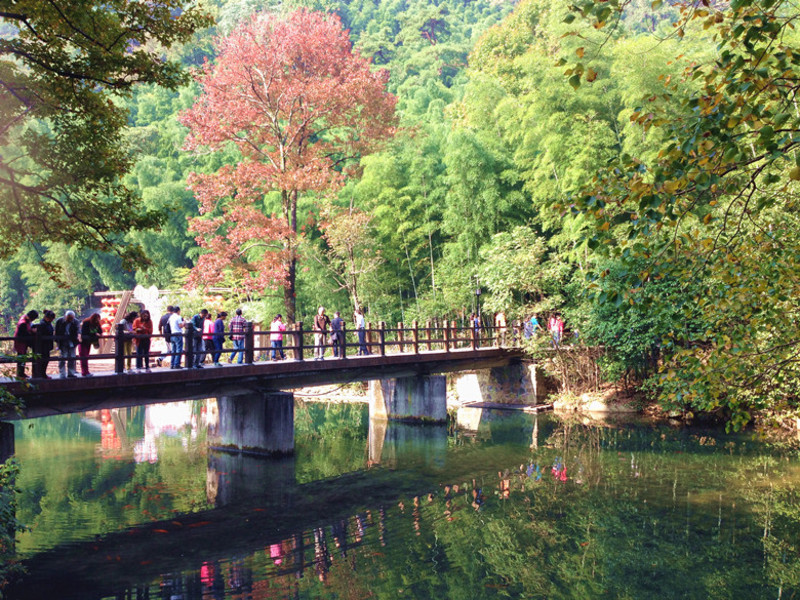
590, 511
652, 512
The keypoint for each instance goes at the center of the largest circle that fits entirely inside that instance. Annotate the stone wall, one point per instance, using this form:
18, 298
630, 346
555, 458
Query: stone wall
522, 383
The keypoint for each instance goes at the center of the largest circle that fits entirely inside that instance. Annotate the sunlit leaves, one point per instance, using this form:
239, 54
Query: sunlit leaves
63, 71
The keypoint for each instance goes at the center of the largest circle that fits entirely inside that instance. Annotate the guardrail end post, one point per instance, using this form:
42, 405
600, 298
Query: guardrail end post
249, 343
119, 349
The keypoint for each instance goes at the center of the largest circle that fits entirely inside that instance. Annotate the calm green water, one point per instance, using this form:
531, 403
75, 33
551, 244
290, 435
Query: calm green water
132, 504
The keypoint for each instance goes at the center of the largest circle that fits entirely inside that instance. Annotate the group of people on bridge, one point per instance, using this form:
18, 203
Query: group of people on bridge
529, 327
203, 335
75, 338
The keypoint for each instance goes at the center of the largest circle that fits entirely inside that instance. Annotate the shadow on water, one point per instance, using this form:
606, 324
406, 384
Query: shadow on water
514, 506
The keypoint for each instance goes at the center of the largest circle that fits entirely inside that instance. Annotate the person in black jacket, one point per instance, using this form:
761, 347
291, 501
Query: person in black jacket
45, 339
90, 336
67, 340
23, 339
337, 335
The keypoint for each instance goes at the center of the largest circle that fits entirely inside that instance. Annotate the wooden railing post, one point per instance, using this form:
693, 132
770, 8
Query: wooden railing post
343, 346
369, 337
39, 364
249, 343
473, 335
298, 341
382, 337
454, 330
400, 337
119, 349
415, 336
446, 331
188, 343
429, 333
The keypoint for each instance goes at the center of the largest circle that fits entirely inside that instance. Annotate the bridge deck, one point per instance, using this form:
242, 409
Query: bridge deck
46, 397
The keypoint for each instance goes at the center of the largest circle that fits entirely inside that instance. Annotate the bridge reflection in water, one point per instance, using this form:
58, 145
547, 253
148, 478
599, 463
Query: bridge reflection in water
255, 414
258, 508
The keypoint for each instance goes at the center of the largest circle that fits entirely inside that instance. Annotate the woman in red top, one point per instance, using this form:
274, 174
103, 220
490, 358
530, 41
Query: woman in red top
143, 330
23, 339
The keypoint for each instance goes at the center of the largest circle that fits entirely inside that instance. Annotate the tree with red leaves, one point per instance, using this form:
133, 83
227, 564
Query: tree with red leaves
301, 108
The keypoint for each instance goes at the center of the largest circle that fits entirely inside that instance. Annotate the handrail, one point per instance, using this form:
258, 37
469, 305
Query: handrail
381, 340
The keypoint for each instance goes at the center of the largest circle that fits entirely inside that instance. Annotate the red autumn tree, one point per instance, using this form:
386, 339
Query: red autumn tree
301, 108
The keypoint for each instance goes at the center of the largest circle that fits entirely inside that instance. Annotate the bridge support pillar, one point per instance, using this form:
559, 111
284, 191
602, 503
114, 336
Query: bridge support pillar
419, 399
254, 423
6, 441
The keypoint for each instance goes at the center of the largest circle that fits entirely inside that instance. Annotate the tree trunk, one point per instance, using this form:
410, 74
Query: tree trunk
289, 199
289, 299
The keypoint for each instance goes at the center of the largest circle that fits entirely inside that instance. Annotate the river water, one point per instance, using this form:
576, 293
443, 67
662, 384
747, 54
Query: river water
131, 503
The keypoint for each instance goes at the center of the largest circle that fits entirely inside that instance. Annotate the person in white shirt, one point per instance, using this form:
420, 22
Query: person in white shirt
361, 330
175, 324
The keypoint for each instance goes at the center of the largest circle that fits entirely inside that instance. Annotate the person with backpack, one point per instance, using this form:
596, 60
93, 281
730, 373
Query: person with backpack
163, 329
90, 336
195, 325
66, 332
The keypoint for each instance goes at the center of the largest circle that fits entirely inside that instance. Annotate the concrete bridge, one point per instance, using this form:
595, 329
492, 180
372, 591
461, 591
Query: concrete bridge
256, 406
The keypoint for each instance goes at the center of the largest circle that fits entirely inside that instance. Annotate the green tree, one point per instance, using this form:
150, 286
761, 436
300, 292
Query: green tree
715, 203
62, 73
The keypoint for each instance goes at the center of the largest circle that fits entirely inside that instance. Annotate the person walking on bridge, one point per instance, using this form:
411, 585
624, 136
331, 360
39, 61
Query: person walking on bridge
208, 336
361, 329
143, 330
91, 329
163, 329
219, 336
321, 323
337, 335
67, 340
237, 336
127, 322
23, 339
276, 337
45, 337
176, 324
195, 326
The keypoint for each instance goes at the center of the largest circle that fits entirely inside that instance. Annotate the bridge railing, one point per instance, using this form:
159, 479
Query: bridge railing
298, 342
